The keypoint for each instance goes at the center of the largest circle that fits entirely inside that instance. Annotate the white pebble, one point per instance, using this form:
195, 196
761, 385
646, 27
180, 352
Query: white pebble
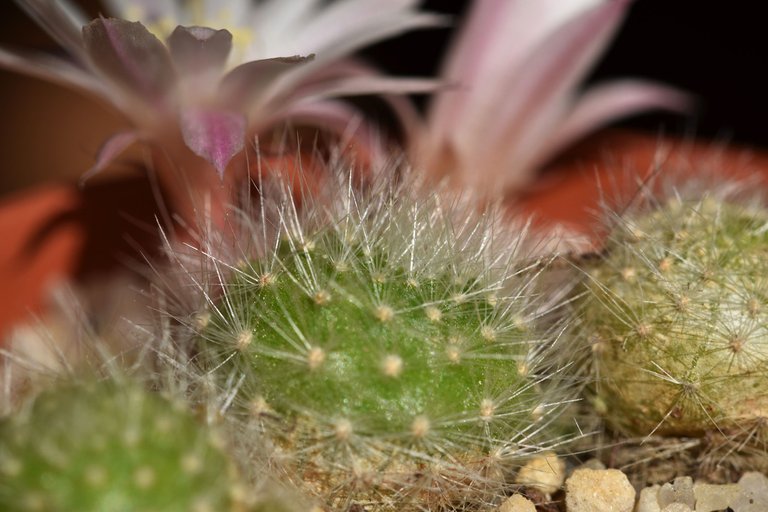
679, 491
594, 490
677, 507
754, 493
517, 503
545, 472
711, 497
648, 501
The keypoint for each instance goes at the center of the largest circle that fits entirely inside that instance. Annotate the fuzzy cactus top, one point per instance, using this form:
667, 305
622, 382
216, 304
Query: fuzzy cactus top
677, 319
100, 446
381, 332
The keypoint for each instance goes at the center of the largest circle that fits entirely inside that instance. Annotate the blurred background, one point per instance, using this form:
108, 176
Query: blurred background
715, 50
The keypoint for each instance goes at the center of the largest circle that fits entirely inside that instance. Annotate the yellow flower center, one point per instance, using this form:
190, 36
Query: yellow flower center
242, 36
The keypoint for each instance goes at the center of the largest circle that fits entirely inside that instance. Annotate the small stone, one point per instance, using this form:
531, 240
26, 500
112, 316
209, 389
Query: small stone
593, 464
545, 472
711, 497
677, 507
648, 501
679, 491
592, 490
754, 493
517, 503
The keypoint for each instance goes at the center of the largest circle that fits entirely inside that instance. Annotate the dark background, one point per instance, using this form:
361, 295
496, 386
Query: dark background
715, 50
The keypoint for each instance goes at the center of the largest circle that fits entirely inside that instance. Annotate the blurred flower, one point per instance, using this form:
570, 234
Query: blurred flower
516, 70
187, 87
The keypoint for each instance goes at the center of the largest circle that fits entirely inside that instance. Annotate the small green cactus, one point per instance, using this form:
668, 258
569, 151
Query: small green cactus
388, 344
677, 320
97, 446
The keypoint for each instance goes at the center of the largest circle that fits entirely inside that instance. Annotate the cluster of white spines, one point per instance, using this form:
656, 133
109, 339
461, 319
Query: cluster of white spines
675, 314
377, 331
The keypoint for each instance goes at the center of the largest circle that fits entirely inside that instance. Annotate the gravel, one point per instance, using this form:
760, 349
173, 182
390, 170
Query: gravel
599, 490
545, 472
517, 503
592, 488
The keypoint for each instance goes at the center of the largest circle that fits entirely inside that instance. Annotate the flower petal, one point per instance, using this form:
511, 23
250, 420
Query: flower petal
334, 29
406, 113
147, 11
215, 135
496, 42
248, 81
510, 119
364, 85
344, 27
110, 150
342, 119
607, 102
61, 19
199, 49
131, 57
51, 69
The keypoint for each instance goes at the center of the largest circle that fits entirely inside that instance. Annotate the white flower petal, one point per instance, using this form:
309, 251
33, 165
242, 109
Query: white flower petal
54, 70
347, 25
145, 11
61, 19
215, 135
607, 102
506, 119
249, 83
339, 118
111, 149
199, 50
346, 69
495, 47
132, 58
364, 85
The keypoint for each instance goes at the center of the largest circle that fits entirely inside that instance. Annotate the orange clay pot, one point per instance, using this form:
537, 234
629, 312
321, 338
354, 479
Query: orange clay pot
60, 232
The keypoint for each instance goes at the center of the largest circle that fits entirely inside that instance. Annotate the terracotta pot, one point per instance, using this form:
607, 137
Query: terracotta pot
56, 232
61, 232
611, 166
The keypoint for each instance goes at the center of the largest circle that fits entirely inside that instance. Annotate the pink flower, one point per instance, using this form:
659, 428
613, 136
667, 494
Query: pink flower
515, 102
197, 94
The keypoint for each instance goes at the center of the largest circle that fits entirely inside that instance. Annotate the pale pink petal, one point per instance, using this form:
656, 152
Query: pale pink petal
340, 118
604, 103
563, 122
111, 149
315, 91
148, 11
350, 31
505, 113
273, 20
405, 111
199, 49
410, 120
367, 84
131, 57
51, 69
215, 135
61, 19
251, 80
495, 43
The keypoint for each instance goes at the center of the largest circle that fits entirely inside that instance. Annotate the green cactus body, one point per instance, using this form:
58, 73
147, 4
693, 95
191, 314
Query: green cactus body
676, 316
381, 340
105, 446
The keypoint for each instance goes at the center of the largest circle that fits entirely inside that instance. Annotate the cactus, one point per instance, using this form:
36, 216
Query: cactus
385, 341
95, 446
675, 314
